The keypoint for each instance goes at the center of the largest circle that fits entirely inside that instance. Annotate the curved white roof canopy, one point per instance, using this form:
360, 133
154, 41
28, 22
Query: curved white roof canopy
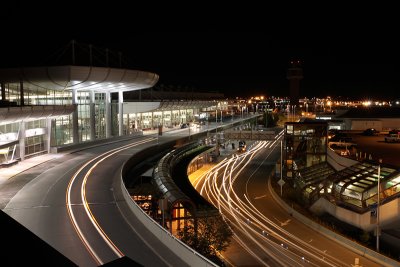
81, 78
26, 113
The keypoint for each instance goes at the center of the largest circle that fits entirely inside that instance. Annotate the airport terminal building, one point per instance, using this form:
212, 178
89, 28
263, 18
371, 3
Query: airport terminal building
47, 107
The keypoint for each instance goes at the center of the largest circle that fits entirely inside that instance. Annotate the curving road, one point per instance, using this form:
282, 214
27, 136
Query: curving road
74, 208
266, 234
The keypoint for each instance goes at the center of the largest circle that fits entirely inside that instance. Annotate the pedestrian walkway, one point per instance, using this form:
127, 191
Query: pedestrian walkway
9, 172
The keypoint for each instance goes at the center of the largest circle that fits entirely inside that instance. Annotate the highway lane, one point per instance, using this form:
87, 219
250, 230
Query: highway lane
242, 196
72, 207
248, 229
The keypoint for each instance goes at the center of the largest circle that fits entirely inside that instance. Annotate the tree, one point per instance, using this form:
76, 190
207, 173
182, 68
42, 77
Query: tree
213, 236
271, 119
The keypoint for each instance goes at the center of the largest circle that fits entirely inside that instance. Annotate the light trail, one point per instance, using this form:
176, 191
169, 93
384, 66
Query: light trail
86, 206
217, 185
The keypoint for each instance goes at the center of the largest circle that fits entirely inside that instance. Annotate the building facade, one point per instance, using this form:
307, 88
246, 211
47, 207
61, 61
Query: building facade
45, 107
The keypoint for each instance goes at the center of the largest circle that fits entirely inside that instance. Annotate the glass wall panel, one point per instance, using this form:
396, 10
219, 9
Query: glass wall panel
61, 131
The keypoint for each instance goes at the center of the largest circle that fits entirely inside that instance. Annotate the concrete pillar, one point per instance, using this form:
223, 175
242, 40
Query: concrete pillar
108, 114
92, 115
3, 91
128, 125
22, 140
21, 93
48, 135
121, 112
152, 120
75, 129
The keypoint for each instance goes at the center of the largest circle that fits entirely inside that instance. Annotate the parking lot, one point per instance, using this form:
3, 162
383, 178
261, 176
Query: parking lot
376, 147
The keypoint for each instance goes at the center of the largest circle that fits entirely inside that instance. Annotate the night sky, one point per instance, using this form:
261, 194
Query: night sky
358, 60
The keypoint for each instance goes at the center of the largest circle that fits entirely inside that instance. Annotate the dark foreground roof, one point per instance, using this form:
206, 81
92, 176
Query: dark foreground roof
23, 248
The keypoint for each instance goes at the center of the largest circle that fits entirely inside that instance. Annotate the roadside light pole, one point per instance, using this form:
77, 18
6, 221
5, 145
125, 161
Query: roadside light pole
216, 120
281, 182
281, 169
377, 206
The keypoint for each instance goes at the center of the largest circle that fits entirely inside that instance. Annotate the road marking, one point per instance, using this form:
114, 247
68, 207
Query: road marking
85, 204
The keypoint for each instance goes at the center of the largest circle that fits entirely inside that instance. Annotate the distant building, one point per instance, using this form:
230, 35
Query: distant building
380, 118
294, 75
305, 145
342, 187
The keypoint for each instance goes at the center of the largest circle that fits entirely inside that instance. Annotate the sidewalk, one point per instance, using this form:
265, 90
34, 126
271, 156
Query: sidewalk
9, 172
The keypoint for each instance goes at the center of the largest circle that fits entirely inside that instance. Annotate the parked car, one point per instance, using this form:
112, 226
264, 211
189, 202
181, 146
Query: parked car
392, 138
371, 132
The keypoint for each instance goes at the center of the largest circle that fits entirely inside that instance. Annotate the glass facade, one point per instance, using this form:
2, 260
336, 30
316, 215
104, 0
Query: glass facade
61, 131
58, 130
305, 145
358, 184
151, 120
39, 133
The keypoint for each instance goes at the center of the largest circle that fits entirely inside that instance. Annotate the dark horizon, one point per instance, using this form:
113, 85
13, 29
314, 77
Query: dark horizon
235, 63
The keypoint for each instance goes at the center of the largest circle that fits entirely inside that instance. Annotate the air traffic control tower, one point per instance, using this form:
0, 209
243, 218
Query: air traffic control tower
294, 75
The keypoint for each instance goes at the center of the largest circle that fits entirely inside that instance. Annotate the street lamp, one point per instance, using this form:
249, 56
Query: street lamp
216, 119
377, 206
281, 167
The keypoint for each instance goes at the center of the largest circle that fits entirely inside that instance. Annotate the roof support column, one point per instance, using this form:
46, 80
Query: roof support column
48, 135
108, 114
92, 115
121, 112
75, 130
3, 91
22, 140
21, 93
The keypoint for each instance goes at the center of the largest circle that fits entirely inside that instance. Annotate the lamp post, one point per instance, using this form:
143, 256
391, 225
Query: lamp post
377, 206
281, 165
294, 113
216, 119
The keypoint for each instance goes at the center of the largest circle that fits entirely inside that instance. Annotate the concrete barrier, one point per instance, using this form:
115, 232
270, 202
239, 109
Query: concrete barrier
186, 253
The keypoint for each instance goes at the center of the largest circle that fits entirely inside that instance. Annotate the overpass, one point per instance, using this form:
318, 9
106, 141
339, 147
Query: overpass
249, 135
